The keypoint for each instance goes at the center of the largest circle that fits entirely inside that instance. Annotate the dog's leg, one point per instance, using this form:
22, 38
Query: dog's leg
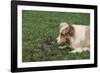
79, 50
86, 49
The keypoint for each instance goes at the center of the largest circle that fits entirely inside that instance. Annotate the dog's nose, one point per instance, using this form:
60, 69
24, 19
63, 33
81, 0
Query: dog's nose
55, 41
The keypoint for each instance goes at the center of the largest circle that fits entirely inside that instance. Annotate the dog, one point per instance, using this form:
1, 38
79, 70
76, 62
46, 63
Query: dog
74, 36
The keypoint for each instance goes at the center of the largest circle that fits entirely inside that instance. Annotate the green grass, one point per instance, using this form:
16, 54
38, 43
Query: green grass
38, 25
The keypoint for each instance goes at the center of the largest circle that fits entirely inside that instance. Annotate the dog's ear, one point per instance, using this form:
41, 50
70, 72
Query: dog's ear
70, 30
63, 24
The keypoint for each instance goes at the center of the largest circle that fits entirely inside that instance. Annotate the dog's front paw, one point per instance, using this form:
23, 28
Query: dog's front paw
79, 50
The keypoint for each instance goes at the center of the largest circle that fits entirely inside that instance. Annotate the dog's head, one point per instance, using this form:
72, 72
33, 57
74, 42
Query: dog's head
66, 32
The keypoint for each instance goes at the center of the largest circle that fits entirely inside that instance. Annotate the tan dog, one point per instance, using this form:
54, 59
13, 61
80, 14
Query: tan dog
76, 36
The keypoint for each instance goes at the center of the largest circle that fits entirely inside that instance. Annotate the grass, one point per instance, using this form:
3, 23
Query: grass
38, 25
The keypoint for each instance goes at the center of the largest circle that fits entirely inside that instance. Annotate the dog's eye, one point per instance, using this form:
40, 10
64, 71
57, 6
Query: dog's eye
62, 34
66, 33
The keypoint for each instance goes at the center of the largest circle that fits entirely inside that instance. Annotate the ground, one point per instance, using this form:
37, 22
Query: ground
38, 25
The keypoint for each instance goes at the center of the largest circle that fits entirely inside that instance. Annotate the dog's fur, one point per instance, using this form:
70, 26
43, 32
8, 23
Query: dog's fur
76, 36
